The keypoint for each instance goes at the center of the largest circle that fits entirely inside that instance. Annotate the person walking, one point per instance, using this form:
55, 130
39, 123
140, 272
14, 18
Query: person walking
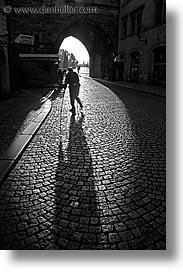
78, 69
72, 80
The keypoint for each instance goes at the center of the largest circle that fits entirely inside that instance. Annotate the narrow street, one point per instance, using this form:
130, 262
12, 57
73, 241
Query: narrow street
93, 181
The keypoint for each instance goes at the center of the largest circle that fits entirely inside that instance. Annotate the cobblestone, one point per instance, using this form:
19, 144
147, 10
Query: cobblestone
96, 181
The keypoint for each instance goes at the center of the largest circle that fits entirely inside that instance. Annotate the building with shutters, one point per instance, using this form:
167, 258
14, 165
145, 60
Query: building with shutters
141, 53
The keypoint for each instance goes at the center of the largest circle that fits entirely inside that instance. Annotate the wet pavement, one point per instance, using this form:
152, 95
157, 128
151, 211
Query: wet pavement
93, 181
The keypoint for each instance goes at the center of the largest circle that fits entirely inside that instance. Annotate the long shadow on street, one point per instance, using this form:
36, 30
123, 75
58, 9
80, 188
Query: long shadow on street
76, 210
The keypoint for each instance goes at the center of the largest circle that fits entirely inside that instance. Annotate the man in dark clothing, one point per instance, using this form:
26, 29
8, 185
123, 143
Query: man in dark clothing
73, 80
78, 69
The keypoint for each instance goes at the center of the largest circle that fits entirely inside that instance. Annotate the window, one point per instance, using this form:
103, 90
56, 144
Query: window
133, 20
160, 12
139, 21
124, 27
136, 21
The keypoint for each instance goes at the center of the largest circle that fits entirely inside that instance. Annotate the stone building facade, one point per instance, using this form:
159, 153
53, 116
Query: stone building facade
4, 67
98, 31
142, 42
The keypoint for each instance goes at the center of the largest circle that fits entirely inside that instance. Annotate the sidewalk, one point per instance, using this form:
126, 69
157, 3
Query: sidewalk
17, 113
20, 118
144, 88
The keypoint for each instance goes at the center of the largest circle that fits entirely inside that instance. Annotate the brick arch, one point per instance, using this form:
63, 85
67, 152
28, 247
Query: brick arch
134, 50
96, 41
160, 44
88, 26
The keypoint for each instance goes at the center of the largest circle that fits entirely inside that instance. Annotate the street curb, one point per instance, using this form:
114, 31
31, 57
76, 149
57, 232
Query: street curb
128, 87
124, 86
10, 157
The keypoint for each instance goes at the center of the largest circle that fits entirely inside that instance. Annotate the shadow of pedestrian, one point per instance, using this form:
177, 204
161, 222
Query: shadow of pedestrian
58, 92
76, 210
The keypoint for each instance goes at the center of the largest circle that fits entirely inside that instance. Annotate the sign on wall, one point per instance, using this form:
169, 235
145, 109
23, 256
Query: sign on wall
25, 39
121, 57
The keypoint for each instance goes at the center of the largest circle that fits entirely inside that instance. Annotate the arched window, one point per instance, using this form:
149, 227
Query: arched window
160, 12
136, 20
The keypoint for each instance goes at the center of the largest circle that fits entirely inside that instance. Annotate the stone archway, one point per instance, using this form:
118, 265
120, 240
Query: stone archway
97, 43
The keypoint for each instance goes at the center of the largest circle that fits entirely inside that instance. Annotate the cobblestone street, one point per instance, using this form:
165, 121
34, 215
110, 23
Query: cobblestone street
93, 181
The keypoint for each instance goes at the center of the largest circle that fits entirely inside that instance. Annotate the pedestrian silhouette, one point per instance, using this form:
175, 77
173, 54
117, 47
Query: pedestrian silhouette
78, 69
72, 80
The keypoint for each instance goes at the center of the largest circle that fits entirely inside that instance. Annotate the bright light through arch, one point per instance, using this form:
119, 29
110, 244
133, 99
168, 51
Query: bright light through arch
73, 45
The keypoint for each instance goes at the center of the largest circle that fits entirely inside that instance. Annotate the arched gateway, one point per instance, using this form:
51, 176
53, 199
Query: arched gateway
98, 32
97, 43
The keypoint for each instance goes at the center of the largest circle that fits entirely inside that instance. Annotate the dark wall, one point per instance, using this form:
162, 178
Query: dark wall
99, 31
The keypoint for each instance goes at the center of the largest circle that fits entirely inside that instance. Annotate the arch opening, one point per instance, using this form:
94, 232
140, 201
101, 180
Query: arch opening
73, 53
97, 43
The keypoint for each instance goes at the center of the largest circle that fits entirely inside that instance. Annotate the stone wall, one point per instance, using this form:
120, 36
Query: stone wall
98, 32
4, 67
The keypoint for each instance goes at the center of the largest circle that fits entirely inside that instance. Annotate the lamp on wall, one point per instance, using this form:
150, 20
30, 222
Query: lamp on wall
141, 40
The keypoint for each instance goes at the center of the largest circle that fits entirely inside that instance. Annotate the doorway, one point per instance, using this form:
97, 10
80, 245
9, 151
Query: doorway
159, 72
134, 68
119, 71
